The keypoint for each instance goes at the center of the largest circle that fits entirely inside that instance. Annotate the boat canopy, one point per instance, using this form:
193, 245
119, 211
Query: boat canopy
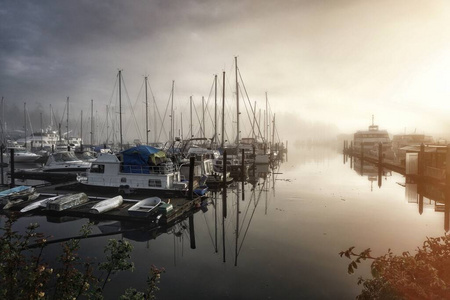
143, 155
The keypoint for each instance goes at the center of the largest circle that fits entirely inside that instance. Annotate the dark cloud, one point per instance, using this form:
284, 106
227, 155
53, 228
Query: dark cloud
317, 56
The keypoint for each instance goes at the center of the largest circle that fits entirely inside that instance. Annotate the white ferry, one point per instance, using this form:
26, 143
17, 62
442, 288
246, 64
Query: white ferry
368, 140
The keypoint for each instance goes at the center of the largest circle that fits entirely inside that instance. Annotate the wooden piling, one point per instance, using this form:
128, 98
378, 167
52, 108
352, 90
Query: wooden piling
2, 148
191, 178
11, 168
421, 160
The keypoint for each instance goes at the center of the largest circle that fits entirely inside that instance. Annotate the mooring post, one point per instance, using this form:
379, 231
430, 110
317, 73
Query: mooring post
11, 167
2, 148
224, 192
191, 178
421, 159
447, 191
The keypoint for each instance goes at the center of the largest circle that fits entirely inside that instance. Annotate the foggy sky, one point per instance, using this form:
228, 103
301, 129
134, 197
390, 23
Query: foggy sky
335, 62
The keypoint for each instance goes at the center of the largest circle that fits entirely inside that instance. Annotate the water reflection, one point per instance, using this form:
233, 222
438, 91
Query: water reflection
418, 191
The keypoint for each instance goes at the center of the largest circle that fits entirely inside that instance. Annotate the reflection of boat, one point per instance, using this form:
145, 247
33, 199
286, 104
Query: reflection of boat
67, 201
65, 161
144, 207
107, 205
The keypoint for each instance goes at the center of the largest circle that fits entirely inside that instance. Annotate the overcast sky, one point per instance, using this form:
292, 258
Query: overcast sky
336, 62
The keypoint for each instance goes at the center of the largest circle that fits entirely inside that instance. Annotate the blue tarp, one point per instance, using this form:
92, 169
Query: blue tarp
140, 155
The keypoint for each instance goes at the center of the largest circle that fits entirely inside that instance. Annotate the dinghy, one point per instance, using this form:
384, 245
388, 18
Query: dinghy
144, 207
67, 201
16, 192
107, 205
40, 203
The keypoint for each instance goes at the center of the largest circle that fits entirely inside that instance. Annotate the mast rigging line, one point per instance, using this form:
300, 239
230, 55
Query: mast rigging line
132, 111
155, 104
164, 119
248, 99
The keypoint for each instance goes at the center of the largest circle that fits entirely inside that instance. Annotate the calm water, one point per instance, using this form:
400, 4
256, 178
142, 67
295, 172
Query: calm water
292, 226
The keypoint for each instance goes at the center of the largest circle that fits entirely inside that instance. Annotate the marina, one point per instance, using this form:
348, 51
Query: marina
313, 186
224, 150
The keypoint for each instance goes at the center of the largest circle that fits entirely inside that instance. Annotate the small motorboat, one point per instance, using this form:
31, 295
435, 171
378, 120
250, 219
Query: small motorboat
65, 161
21, 155
107, 205
39, 203
67, 201
144, 207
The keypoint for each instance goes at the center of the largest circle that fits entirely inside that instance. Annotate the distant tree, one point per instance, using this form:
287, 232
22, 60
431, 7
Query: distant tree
425, 275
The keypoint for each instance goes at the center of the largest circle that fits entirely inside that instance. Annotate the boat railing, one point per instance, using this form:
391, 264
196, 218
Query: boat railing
147, 169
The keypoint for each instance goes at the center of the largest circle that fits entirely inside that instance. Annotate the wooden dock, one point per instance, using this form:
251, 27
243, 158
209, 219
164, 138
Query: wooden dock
181, 207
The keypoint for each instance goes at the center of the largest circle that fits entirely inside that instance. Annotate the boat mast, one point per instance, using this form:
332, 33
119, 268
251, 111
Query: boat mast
223, 110
190, 101
25, 122
120, 108
203, 117
172, 135
254, 135
237, 105
146, 111
181, 127
215, 109
81, 131
42, 132
3, 123
92, 122
107, 125
266, 122
273, 131
67, 126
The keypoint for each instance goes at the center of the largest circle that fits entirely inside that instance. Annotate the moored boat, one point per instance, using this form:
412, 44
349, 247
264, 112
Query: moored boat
67, 201
368, 141
107, 205
21, 155
144, 207
37, 204
65, 161
141, 168
16, 192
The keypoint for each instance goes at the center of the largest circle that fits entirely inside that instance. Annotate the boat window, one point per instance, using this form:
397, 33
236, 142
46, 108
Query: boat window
97, 168
154, 182
123, 179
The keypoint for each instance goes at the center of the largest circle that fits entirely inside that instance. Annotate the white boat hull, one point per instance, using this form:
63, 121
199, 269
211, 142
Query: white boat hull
107, 205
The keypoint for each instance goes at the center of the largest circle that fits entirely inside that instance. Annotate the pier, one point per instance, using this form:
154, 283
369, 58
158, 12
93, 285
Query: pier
424, 162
